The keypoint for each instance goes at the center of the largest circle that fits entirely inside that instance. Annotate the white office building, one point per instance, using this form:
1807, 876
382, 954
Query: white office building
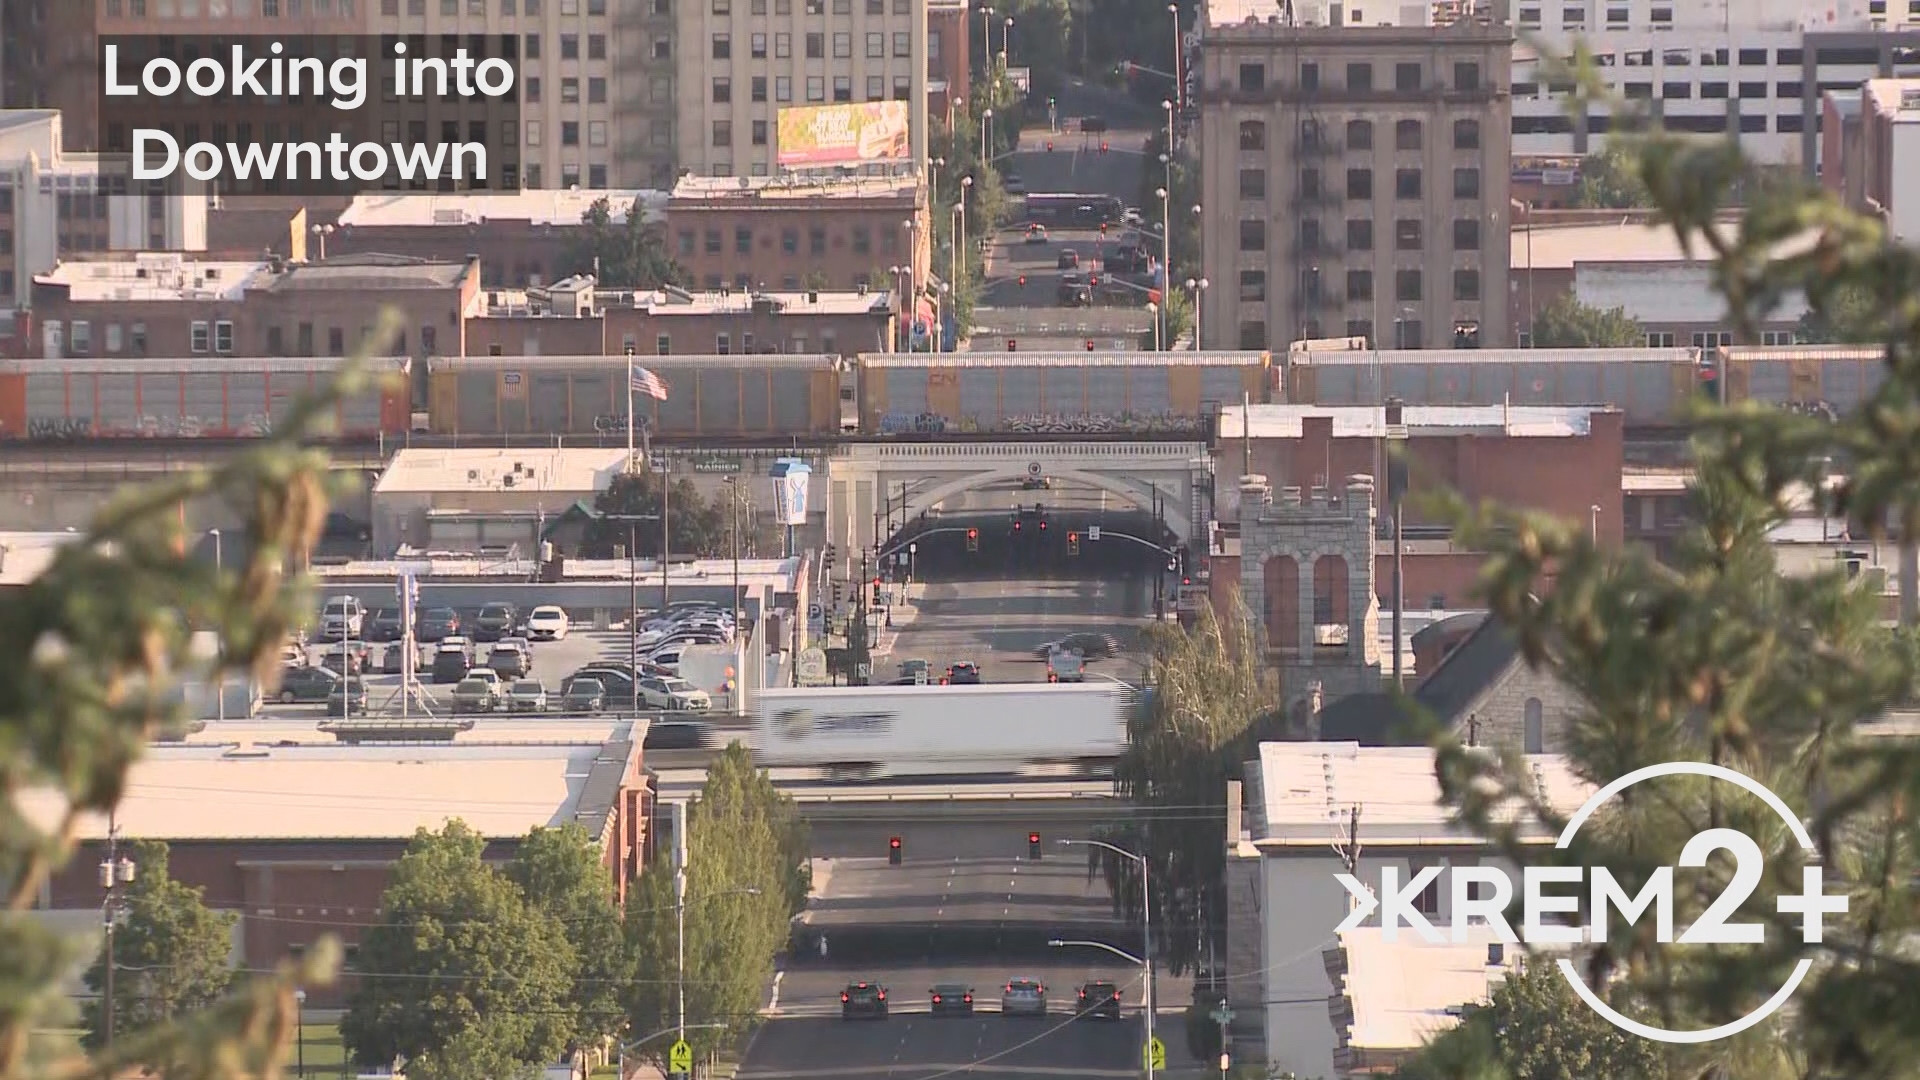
1758, 67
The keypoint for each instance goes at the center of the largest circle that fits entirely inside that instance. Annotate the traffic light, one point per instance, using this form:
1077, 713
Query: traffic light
876, 592
1103, 228
893, 851
1073, 543
1173, 565
1103, 146
1043, 524
836, 593
1033, 846
973, 539
1049, 146
1023, 281
1089, 344
1093, 280
1016, 524
829, 559
1012, 345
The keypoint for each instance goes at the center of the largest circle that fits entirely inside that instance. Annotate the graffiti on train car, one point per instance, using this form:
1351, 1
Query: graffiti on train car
1824, 409
150, 426
914, 424
59, 428
1162, 423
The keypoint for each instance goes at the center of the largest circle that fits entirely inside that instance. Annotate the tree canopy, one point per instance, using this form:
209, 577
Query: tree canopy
1610, 181
1533, 1028
172, 957
1565, 323
628, 254
559, 872
699, 526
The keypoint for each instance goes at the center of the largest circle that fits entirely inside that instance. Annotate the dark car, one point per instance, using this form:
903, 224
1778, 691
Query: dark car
495, 621
383, 625
676, 736
952, 999
964, 673
437, 623
616, 684
1068, 260
583, 694
348, 698
346, 658
863, 999
1090, 645
1100, 1001
306, 684
511, 658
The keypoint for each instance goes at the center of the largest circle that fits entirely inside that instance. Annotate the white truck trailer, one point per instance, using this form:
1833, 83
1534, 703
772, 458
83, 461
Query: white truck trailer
886, 731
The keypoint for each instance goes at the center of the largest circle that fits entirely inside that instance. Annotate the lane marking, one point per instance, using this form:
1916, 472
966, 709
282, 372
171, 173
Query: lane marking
773, 1003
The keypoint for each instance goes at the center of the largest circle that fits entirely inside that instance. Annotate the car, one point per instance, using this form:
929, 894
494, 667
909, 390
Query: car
346, 658
1036, 234
347, 698
1036, 483
668, 657
527, 695
436, 624
1132, 216
672, 692
616, 684
474, 694
393, 660
547, 623
1066, 666
583, 695
915, 670
1012, 184
1099, 1000
1069, 260
342, 617
676, 736
1092, 646
511, 659
1024, 997
293, 655
306, 684
497, 619
963, 673
385, 625
1076, 298
952, 999
863, 999
451, 666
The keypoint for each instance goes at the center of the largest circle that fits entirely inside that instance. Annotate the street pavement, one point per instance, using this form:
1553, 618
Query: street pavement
931, 889
998, 622
923, 1047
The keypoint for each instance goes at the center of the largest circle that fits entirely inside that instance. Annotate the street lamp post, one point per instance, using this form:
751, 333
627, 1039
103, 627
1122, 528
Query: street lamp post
633, 597
986, 40
1179, 86
733, 530
1166, 243
1006, 44
220, 681
986, 126
1593, 523
913, 279
1196, 287
116, 873
300, 1027
1154, 310
933, 180
1146, 928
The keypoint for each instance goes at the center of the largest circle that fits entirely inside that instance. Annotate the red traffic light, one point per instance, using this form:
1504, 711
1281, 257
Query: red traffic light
1016, 526
1049, 146
876, 582
894, 843
1023, 279
1073, 536
1093, 279
1103, 146
1089, 344
973, 534
1043, 526
1011, 345
1033, 838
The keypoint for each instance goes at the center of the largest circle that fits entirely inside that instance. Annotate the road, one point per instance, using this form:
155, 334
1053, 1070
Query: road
932, 890
923, 1047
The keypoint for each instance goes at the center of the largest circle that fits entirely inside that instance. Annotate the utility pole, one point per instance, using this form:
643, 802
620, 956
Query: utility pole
680, 915
115, 874
1396, 496
1159, 567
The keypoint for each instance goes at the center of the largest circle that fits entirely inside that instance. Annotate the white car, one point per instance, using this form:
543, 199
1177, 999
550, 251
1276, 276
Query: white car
672, 692
667, 659
547, 623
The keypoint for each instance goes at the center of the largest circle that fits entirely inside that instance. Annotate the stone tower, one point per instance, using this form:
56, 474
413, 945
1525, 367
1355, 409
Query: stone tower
1307, 578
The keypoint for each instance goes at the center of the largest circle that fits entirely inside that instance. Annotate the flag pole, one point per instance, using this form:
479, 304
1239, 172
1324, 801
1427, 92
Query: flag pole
630, 467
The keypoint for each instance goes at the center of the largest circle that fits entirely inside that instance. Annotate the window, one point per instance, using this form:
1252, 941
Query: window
1406, 77
723, 133
1753, 58
817, 240
1359, 285
1406, 183
816, 88
1660, 339
1428, 902
1466, 234
842, 46
569, 133
569, 46
662, 345
1407, 235
1466, 134
1534, 727
843, 88
1253, 286
1406, 135
1253, 235
790, 241
782, 46
1359, 134
1359, 234
816, 46
1309, 76
1253, 78
1711, 339
759, 133
1713, 90
1466, 285
197, 336
1253, 135
783, 88
876, 88
1751, 90
1359, 183
757, 44
862, 240
1676, 91
1466, 75
902, 45
1787, 124
596, 46
722, 89
1788, 57
743, 241
876, 46
1360, 77
1406, 285
1310, 185
1787, 89
1253, 183
759, 88
1466, 183
1253, 334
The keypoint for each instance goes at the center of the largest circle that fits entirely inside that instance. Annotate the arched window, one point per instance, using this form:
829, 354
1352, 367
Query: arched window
1253, 135
1282, 577
1535, 727
1330, 591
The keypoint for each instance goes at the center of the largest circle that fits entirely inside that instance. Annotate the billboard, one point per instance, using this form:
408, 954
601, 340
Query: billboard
790, 482
822, 136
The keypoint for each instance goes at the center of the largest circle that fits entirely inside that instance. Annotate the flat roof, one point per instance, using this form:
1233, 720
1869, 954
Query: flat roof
387, 273
24, 556
728, 192
1370, 421
1897, 98
1401, 991
151, 276
1484, 357
533, 206
512, 303
1307, 788
310, 792
1561, 247
1097, 358
616, 363
572, 470
267, 730
449, 567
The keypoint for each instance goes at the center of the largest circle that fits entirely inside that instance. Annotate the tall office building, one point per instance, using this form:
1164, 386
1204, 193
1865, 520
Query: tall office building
741, 61
1354, 176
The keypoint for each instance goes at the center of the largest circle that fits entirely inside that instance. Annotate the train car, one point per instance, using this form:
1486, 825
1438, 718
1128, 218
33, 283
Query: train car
185, 398
1648, 385
717, 397
1125, 393
1839, 377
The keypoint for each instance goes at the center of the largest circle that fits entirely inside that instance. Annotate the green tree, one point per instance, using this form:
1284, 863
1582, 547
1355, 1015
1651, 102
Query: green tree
1609, 181
1183, 196
172, 955
559, 871
1848, 315
1566, 323
629, 254
1042, 32
742, 835
1210, 685
1534, 1028
459, 952
698, 525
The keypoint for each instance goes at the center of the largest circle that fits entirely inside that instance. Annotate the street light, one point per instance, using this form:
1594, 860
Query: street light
986, 39
986, 126
1006, 43
913, 282
220, 687
1179, 87
1593, 523
320, 233
300, 1027
1166, 242
1146, 928
116, 873
1196, 287
1154, 310
933, 180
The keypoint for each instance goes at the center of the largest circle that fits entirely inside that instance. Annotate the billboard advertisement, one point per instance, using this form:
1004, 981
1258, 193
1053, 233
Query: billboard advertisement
823, 136
790, 482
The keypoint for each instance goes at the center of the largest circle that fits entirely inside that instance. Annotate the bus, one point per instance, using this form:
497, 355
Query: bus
1081, 211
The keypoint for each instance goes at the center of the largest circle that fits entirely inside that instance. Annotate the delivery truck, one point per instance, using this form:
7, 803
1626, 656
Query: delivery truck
877, 732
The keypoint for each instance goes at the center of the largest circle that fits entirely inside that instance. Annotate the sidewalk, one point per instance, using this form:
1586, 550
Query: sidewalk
901, 615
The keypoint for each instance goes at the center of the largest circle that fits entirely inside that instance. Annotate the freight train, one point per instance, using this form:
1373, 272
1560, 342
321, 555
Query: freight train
760, 398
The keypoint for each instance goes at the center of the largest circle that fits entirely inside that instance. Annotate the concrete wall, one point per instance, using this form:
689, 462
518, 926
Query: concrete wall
1337, 525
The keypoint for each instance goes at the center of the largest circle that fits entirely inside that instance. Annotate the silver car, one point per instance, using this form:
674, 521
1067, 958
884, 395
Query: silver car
1024, 997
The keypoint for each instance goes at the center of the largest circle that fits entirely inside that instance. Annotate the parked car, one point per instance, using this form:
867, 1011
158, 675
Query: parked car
952, 999
342, 617
1132, 216
293, 655
511, 658
547, 623
345, 658
347, 698
1024, 997
863, 999
915, 670
452, 660
393, 659
474, 695
497, 619
667, 657
436, 624
963, 673
306, 684
616, 684
385, 625
1069, 260
527, 695
1036, 483
1100, 1000
672, 692
583, 695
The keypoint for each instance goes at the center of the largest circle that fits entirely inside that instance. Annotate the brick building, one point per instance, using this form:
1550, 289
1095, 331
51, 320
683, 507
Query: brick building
1870, 139
166, 305
573, 318
797, 232
299, 839
949, 45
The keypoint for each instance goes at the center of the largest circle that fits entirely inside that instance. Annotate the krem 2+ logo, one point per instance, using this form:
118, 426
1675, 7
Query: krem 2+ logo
1397, 903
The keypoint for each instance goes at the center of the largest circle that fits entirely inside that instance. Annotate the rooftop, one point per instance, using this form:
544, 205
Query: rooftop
1899, 98
1370, 421
533, 206
1400, 358
572, 471
532, 303
1289, 16
387, 273
1561, 247
1304, 791
711, 192
443, 566
24, 556
254, 792
153, 276
1402, 992
305, 730
1066, 359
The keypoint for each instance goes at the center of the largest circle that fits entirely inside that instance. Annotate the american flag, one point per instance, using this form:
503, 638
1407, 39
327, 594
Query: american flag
646, 382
